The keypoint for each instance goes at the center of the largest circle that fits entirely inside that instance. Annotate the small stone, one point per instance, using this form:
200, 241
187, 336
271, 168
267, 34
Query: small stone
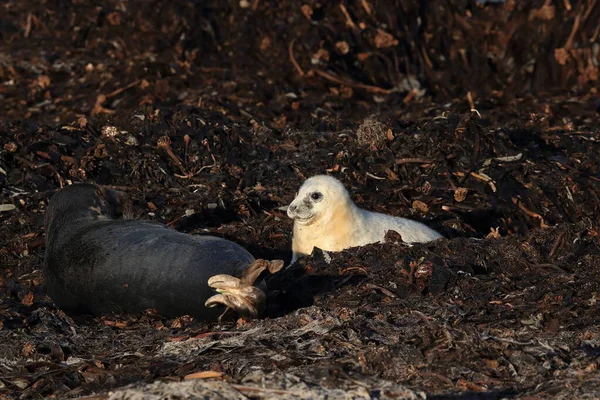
419, 205
307, 11
11, 147
342, 47
460, 194
321, 55
7, 207
131, 141
109, 131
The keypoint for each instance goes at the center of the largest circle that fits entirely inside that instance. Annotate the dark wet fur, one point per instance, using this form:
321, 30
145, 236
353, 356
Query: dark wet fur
100, 265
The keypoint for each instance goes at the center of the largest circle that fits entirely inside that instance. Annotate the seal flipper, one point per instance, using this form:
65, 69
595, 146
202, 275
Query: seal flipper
240, 294
245, 300
253, 272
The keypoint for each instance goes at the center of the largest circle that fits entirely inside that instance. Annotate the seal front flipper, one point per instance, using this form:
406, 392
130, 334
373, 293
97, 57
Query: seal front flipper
240, 294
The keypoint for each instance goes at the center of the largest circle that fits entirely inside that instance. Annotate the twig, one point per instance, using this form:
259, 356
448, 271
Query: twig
364, 271
411, 273
481, 177
176, 220
557, 243
590, 7
573, 32
246, 389
435, 375
530, 213
120, 188
293, 59
121, 90
512, 341
205, 334
411, 95
451, 181
187, 139
366, 6
470, 100
28, 26
192, 174
101, 99
349, 21
213, 69
509, 158
427, 319
553, 266
486, 179
417, 160
426, 58
587, 175
375, 176
385, 291
368, 88
165, 144
56, 173
457, 207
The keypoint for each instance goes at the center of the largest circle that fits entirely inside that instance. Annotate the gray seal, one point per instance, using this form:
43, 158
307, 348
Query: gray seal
99, 264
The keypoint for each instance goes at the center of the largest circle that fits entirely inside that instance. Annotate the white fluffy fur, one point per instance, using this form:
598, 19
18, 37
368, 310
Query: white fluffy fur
335, 223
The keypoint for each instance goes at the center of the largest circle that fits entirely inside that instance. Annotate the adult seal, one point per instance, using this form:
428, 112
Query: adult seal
99, 264
326, 217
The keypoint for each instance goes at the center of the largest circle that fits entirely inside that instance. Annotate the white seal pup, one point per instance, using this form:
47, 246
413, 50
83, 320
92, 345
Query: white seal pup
325, 217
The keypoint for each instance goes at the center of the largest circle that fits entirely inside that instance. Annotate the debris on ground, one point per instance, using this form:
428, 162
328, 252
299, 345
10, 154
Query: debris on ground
476, 118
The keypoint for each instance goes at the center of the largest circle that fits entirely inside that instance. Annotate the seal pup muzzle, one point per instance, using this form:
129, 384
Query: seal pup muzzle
326, 217
99, 264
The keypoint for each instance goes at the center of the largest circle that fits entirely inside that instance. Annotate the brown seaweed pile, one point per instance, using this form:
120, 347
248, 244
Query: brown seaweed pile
210, 115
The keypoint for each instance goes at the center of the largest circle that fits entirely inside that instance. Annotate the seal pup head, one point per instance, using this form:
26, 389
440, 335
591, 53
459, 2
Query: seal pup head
85, 200
318, 199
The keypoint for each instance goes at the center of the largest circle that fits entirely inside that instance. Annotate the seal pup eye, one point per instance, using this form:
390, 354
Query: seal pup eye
316, 196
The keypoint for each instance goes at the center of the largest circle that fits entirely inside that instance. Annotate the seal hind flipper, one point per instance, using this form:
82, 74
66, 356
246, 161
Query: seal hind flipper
245, 299
240, 294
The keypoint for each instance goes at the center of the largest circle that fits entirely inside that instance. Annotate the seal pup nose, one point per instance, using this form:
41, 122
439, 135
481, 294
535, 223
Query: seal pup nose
291, 211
